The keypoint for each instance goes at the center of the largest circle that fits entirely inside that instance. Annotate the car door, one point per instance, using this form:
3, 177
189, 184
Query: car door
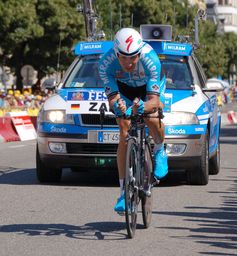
213, 109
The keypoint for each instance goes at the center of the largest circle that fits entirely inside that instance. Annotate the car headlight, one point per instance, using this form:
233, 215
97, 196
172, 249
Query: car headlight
56, 117
180, 118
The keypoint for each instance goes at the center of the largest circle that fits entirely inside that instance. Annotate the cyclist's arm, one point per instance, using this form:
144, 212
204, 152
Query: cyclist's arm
154, 99
107, 73
113, 99
111, 90
155, 86
152, 104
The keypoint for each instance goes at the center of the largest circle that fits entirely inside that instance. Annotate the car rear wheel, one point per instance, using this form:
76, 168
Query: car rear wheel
214, 165
199, 174
44, 173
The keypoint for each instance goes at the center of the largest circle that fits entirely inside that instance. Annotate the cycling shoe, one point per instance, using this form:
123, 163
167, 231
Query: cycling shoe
120, 205
161, 163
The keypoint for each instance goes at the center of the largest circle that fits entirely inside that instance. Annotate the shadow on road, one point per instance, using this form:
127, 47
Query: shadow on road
227, 135
97, 178
28, 177
229, 131
217, 227
89, 231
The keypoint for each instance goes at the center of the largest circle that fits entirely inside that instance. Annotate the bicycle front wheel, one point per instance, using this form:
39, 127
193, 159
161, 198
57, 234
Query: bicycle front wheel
147, 180
131, 188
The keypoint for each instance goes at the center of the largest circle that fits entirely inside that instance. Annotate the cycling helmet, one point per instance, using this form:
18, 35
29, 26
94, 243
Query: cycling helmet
128, 42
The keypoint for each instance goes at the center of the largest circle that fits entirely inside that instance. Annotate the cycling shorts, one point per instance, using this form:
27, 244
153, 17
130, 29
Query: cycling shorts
128, 93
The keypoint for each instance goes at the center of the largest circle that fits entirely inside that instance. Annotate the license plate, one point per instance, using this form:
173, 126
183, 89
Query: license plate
108, 137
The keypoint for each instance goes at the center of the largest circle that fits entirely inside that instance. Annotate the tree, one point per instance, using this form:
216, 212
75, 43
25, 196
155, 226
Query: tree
63, 27
31, 32
136, 12
211, 53
38, 32
229, 41
18, 24
179, 14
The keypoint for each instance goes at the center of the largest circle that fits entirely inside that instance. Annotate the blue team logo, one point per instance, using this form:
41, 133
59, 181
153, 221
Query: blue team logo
107, 90
77, 96
155, 87
86, 95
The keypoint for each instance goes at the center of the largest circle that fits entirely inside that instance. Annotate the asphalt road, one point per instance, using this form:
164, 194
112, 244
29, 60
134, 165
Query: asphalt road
76, 217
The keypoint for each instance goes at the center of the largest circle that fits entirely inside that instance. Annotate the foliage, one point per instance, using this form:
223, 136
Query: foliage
38, 32
31, 32
229, 40
211, 52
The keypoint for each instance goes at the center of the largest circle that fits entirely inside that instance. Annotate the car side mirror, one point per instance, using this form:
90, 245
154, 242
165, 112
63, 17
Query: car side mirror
49, 83
213, 86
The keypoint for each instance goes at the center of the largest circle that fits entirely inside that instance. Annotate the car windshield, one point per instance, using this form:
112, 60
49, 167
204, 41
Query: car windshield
85, 73
177, 72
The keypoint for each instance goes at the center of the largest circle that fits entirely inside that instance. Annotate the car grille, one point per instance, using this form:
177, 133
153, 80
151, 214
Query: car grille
90, 119
91, 148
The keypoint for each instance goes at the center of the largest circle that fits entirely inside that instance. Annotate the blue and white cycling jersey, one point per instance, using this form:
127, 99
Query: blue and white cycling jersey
147, 72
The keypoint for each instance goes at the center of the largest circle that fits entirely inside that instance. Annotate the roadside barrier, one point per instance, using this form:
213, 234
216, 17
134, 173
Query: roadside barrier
34, 121
231, 116
7, 130
16, 126
23, 125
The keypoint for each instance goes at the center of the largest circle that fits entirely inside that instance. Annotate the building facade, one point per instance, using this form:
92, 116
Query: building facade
226, 12
200, 3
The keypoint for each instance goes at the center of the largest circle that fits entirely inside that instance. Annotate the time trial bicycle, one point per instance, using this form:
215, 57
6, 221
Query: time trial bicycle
139, 178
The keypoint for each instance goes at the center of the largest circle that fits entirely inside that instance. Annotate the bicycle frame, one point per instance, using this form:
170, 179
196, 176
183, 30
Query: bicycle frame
137, 132
138, 180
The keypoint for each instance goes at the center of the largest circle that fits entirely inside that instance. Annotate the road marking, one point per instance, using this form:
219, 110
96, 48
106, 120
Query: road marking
18, 146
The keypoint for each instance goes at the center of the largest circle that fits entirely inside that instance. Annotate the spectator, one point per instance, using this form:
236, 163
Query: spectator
235, 91
36, 89
2, 100
14, 100
11, 101
19, 100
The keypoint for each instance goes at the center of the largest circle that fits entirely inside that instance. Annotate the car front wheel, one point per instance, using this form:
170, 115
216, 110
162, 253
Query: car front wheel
199, 174
44, 173
214, 165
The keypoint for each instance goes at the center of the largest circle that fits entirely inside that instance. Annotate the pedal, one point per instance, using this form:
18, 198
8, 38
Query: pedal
121, 213
156, 182
148, 191
136, 188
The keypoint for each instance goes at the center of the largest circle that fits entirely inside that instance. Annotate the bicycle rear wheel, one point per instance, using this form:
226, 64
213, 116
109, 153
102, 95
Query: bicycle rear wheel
147, 200
131, 188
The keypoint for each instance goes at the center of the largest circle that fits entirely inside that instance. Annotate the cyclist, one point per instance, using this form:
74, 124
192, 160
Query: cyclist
131, 76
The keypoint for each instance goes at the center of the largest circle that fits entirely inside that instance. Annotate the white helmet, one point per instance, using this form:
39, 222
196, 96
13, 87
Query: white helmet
128, 42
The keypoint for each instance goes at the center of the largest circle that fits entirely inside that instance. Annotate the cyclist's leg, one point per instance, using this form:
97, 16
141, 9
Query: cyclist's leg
121, 159
121, 156
157, 131
160, 156
122, 146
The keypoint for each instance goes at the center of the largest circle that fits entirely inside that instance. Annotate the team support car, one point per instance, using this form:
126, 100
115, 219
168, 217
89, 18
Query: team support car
69, 124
